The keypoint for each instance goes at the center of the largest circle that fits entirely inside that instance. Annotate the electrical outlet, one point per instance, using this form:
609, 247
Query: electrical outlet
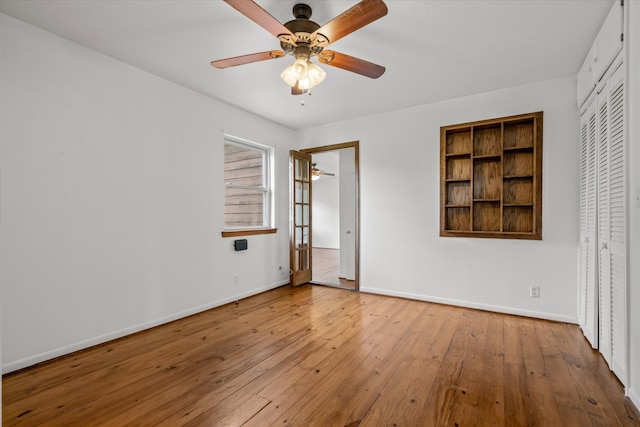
534, 291
235, 279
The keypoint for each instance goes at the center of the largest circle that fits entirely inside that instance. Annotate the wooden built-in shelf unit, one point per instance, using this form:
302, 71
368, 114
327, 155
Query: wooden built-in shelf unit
491, 178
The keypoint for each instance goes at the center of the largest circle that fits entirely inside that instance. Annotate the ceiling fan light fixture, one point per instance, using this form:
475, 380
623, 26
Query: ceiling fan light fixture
315, 74
304, 84
305, 39
287, 76
312, 76
298, 69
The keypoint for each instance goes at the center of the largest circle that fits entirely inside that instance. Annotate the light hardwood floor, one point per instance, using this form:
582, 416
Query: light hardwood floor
321, 356
326, 268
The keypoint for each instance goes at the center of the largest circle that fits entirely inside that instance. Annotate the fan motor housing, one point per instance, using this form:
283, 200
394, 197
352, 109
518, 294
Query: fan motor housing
301, 23
303, 28
302, 10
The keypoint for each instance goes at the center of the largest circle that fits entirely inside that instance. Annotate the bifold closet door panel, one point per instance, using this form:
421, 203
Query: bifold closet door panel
617, 248
587, 282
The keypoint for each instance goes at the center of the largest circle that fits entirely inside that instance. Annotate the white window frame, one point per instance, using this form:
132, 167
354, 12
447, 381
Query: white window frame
267, 182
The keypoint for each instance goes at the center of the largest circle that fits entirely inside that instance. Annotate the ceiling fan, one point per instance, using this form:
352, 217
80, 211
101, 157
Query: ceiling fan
304, 39
315, 172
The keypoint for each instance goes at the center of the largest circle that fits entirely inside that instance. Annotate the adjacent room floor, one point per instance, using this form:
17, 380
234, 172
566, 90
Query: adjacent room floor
326, 269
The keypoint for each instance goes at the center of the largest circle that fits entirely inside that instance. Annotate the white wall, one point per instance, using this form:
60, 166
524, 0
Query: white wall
111, 186
632, 37
326, 203
399, 166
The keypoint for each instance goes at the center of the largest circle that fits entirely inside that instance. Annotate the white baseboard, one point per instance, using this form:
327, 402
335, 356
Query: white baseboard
469, 304
634, 397
81, 345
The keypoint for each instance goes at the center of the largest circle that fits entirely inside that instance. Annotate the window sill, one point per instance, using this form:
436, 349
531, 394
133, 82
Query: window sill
248, 232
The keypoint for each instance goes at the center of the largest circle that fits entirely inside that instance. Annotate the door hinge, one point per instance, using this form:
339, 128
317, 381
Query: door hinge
622, 37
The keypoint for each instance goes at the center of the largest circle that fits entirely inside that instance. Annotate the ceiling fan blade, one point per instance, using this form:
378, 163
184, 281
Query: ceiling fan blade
247, 59
353, 19
350, 63
253, 11
316, 171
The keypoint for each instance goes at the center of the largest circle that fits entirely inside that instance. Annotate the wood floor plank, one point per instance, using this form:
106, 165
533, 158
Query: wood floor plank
314, 355
115, 352
229, 412
125, 383
445, 388
211, 390
600, 397
471, 382
492, 395
543, 403
360, 340
564, 392
240, 359
517, 403
338, 402
403, 396
336, 334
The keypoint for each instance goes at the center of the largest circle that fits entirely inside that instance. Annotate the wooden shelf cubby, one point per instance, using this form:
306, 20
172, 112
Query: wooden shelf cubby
491, 178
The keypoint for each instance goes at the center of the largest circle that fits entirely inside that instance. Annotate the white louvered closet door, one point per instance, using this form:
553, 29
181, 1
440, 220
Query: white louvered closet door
604, 223
588, 289
603, 262
616, 241
602, 285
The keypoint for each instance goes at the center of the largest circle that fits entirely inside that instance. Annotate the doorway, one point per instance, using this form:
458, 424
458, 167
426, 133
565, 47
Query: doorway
335, 221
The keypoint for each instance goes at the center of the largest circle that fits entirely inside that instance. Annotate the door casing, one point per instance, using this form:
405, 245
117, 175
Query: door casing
356, 146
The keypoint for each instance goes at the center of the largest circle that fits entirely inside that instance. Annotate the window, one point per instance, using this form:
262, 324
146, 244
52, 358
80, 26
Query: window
247, 182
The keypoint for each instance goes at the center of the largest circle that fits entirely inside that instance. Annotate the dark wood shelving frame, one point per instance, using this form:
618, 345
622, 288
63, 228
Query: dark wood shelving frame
491, 178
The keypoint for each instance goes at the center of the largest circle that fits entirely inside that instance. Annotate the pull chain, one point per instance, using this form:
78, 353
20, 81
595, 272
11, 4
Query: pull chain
302, 102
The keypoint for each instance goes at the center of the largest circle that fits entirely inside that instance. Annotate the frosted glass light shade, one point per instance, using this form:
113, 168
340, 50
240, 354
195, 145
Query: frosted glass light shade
299, 69
315, 74
287, 76
312, 75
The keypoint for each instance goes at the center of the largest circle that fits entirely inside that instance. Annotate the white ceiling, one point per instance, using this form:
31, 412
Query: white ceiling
433, 50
